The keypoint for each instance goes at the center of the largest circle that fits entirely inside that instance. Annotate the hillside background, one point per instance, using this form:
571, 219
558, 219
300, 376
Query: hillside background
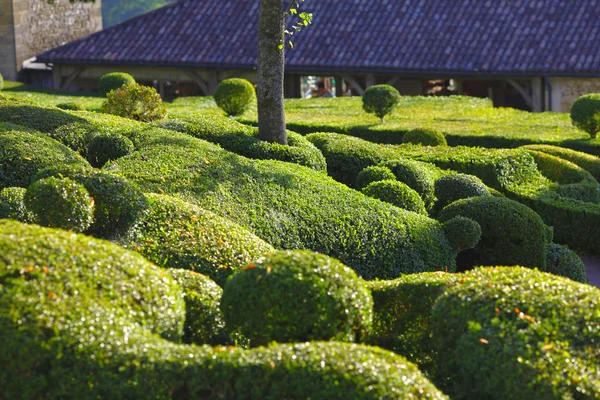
117, 11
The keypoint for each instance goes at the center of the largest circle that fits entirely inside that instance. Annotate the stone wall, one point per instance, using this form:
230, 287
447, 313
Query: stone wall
7, 41
566, 90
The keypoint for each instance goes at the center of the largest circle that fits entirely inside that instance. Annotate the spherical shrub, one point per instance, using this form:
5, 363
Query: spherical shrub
133, 101
425, 137
585, 113
234, 95
380, 100
454, 187
462, 233
373, 173
396, 193
511, 233
297, 296
12, 204
118, 203
60, 203
417, 176
108, 146
560, 260
114, 81
69, 106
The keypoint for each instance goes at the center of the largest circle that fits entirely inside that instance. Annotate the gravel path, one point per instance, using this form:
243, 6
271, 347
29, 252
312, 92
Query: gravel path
592, 266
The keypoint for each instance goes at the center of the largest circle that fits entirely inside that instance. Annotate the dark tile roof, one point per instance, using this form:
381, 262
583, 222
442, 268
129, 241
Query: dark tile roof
559, 37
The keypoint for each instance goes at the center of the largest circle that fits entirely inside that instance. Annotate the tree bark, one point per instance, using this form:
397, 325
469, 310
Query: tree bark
271, 116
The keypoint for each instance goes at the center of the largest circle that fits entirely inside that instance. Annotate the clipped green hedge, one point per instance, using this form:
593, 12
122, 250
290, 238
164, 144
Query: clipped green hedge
416, 175
23, 154
243, 140
517, 333
463, 233
179, 235
454, 187
72, 106
297, 296
117, 337
373, 174
585, 113
113, 81
118, 203
562, 261
293, 207
380, 100
105, 147
396, 193
12, 205
511, 233
586, 161
234, 95
425, 137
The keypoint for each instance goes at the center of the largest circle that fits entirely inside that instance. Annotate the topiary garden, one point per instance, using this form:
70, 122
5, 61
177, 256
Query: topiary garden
185, 258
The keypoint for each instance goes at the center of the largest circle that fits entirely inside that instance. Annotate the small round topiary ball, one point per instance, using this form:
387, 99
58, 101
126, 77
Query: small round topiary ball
463, 233
234, 95
425, 137
380, 100
454, 187
60, 203
297, 296
560, 260
398, 194
373, 173
104, 147
12, 205
113, 81
585, 113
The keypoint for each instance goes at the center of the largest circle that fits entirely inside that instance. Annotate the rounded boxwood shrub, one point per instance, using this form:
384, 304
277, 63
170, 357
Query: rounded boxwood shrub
104, 147
60, 203
137, 102
23, 154
297, 296
113, 81
234, 95
416, 176
12, 205
204, 322
72, 106
373, 173
454, 187
176, 234
462, 233
511, 233
585, 113
517, 333
380, 100
118, 203
562, 261
396, 193
425, 137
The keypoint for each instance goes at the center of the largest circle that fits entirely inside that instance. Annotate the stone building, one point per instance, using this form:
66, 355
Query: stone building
28, 27
531, 54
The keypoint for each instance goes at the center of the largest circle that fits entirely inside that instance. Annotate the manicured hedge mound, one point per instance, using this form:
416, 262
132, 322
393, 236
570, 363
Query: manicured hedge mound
82, 318
297, 296
12, 205
586, 161
560, 260
373, 174
425, 137
516, 333
108, 146
113, 81
293, 207
235, 95
243, 140
463, 233
396, 193
511, 233
416, 175
454, 187
23, 154
176, 234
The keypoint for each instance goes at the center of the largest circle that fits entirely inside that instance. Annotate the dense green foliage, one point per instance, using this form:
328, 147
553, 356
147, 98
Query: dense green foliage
560, 260
1, 82
137, 102
235, 95
454, 187
118, 203
104, 147
204, 323
72, 106
12, 205
108, 340
511, 233
23, 154
463, 233
396, 193
586, 161
380, 100
425, 137
373, 174
585, 113
297, 296
113, 81
179, 235
243, 140
516, 333
416, 175
60, 203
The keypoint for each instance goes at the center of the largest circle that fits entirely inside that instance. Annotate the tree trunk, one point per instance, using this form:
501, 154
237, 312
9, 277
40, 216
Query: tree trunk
271, 116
